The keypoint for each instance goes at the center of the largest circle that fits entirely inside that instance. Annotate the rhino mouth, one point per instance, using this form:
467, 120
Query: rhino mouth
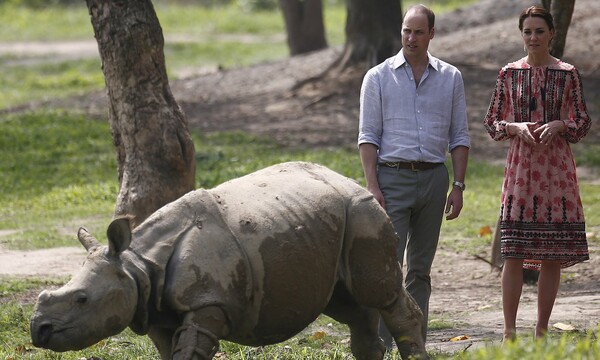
42, 335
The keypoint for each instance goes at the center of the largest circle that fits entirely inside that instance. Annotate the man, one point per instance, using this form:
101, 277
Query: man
412, 110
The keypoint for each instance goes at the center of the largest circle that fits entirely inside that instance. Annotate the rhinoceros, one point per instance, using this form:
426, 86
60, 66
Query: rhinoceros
253, 261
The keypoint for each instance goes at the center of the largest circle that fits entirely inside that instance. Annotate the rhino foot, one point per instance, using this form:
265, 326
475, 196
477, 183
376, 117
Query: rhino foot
192, 342
411, 350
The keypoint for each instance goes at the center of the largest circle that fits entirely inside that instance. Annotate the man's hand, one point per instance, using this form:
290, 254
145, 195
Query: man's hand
454, 203
377, 195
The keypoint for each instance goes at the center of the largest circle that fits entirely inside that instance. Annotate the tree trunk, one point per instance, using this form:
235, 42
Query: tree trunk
561, 11
304, 25
547, 4
373, 31
155, 151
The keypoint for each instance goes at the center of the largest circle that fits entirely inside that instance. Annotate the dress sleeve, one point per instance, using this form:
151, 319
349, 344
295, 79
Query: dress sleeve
578, 123
498, 112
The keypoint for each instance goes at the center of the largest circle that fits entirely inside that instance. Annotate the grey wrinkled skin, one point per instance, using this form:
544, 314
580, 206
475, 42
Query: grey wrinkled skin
253, 261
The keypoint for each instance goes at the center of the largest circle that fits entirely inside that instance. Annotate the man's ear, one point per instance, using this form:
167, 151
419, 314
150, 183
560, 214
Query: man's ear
432, 33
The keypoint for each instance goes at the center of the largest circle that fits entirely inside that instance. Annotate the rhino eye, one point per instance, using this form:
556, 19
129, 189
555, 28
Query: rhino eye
80, 298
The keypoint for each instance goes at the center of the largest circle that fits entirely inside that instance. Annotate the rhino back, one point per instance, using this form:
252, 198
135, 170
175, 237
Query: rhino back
290, 219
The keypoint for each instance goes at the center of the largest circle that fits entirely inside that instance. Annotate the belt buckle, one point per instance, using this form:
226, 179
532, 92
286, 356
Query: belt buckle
392, 164
412, 166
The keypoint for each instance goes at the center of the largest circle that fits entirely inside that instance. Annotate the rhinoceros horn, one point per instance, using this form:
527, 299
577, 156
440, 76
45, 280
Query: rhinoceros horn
86, 239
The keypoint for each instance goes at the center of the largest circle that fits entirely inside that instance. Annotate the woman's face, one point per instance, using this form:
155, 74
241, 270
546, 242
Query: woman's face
536, 35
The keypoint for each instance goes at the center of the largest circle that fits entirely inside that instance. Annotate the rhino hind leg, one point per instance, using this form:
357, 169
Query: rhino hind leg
374, 277
365, 342
403, 318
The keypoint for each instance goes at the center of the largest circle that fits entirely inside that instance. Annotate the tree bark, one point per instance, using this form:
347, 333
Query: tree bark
373, 31
155, 151
304, 25
562, 11
547, 4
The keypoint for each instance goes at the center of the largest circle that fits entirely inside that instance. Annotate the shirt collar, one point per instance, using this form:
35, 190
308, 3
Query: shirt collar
400, 60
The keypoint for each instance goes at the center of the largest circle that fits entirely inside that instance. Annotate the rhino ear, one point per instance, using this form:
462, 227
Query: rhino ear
119, 235
86, 239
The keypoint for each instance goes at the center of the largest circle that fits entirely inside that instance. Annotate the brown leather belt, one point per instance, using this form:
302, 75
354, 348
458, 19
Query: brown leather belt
414, 166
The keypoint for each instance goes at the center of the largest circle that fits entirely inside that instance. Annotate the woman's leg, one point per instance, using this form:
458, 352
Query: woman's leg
548, 284
512, 286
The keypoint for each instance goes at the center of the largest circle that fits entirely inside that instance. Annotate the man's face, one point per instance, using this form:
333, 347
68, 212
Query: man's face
416, 34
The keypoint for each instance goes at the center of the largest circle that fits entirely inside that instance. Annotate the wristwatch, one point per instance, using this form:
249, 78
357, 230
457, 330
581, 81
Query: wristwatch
460, 185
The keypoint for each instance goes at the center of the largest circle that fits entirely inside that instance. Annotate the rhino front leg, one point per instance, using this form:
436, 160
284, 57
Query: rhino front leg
198, 337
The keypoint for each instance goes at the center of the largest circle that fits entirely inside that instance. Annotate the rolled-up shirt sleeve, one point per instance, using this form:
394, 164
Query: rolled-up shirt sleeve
459, 125
370, 124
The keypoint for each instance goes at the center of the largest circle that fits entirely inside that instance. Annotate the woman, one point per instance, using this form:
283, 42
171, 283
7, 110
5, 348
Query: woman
538, 106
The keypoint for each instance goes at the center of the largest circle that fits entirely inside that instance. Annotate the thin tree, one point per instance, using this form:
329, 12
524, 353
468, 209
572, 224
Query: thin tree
304, 25
154, 148
562, 12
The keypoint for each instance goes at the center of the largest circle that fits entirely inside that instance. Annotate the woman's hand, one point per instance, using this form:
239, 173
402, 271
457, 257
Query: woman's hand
547, 132
522, 130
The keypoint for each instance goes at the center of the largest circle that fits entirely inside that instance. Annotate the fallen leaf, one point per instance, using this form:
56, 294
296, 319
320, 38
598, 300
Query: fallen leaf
318, 335
460, 338
485, 230
564, 327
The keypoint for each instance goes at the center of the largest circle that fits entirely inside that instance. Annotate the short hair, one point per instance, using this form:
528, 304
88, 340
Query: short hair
536, 11
420, 8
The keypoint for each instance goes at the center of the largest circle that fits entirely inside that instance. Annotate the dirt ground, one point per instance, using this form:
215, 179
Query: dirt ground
479, 39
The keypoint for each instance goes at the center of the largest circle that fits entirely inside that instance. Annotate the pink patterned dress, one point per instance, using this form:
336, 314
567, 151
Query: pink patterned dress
541, 215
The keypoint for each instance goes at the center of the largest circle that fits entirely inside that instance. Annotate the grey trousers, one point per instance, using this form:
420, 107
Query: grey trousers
415, 202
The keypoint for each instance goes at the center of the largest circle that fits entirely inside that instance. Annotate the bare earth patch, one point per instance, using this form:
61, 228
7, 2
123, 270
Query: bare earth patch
478, 39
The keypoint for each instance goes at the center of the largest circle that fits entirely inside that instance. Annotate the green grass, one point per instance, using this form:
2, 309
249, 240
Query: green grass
325, 339
38, 81
569, 346
59, 173
15, 341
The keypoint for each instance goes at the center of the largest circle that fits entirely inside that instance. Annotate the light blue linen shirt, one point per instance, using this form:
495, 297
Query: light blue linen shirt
409, 123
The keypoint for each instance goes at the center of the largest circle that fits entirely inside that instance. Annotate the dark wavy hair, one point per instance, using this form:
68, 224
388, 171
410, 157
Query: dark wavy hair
536, 11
